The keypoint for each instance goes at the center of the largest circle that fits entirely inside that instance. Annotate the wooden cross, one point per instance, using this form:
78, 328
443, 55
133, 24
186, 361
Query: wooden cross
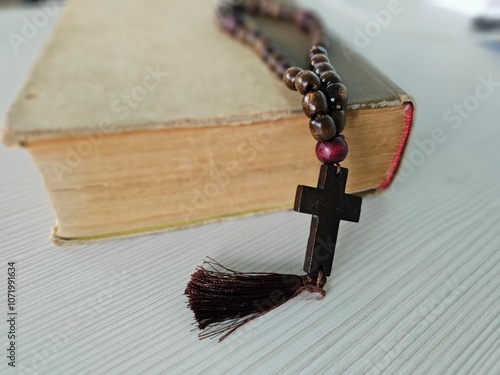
328, 204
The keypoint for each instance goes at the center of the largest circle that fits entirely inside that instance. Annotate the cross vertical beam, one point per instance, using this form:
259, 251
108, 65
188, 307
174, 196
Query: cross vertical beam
328, 204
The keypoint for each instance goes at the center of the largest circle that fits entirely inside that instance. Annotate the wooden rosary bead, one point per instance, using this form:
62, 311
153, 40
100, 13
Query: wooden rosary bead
329, 77
322, 127
289, 77
277, 63
251, 36
287, 12
303, 19
314, 103
230, 22
241, 34
317, 50
307, 81
271, 9
267, 53
323, 67
336, 94
316, 27
263, 47
323, 42
317, 36
316, 30
332, 151
281, 69
236, 6
338, 117
318, 59
274, 59
252, 6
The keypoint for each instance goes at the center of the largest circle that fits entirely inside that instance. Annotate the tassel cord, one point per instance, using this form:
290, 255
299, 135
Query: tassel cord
223, 300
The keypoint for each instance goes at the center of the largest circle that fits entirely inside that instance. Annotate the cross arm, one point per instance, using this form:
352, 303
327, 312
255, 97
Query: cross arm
351, 208
306, 200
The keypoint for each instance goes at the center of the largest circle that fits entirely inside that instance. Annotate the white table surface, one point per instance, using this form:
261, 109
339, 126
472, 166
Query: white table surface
415, 287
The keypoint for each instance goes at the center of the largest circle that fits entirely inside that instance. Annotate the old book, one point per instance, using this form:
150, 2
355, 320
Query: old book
144, 116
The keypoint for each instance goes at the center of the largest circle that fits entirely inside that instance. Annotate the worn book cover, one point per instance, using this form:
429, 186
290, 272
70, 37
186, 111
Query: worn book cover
144, 116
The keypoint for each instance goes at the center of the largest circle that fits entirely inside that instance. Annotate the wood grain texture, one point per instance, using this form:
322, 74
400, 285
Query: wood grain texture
415, 287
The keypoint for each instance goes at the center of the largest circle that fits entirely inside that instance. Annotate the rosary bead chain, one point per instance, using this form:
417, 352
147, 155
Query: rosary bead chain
325, 97
230, 14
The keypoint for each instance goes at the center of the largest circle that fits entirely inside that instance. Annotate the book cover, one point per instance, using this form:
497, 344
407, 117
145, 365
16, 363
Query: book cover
143, 122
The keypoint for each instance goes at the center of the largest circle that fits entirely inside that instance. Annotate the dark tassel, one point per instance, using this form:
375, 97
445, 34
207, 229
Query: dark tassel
223, 300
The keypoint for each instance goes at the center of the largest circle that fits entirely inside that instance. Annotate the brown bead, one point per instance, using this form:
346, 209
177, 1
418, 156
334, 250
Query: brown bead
318, 59
314, 103
252, 36
322, 128
329, 77
261, 45
264, 8
323, 42
241, 34
307, 81
236, 6
230, 22
323, 67
289, 77
252, 6
271, 9
281, 69
315, 30
267, 53
338, 117
317, 49
315, 33
337, 95
286, 12
274, 60
303, 19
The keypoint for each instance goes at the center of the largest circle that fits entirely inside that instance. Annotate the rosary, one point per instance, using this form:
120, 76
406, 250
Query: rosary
222, 299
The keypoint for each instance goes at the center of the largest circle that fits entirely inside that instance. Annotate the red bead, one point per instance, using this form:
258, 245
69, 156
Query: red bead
333, 151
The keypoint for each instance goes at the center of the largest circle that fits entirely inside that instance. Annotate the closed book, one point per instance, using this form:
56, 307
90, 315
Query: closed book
145, 116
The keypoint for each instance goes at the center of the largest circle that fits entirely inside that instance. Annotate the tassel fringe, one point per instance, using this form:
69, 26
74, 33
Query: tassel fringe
223, 300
